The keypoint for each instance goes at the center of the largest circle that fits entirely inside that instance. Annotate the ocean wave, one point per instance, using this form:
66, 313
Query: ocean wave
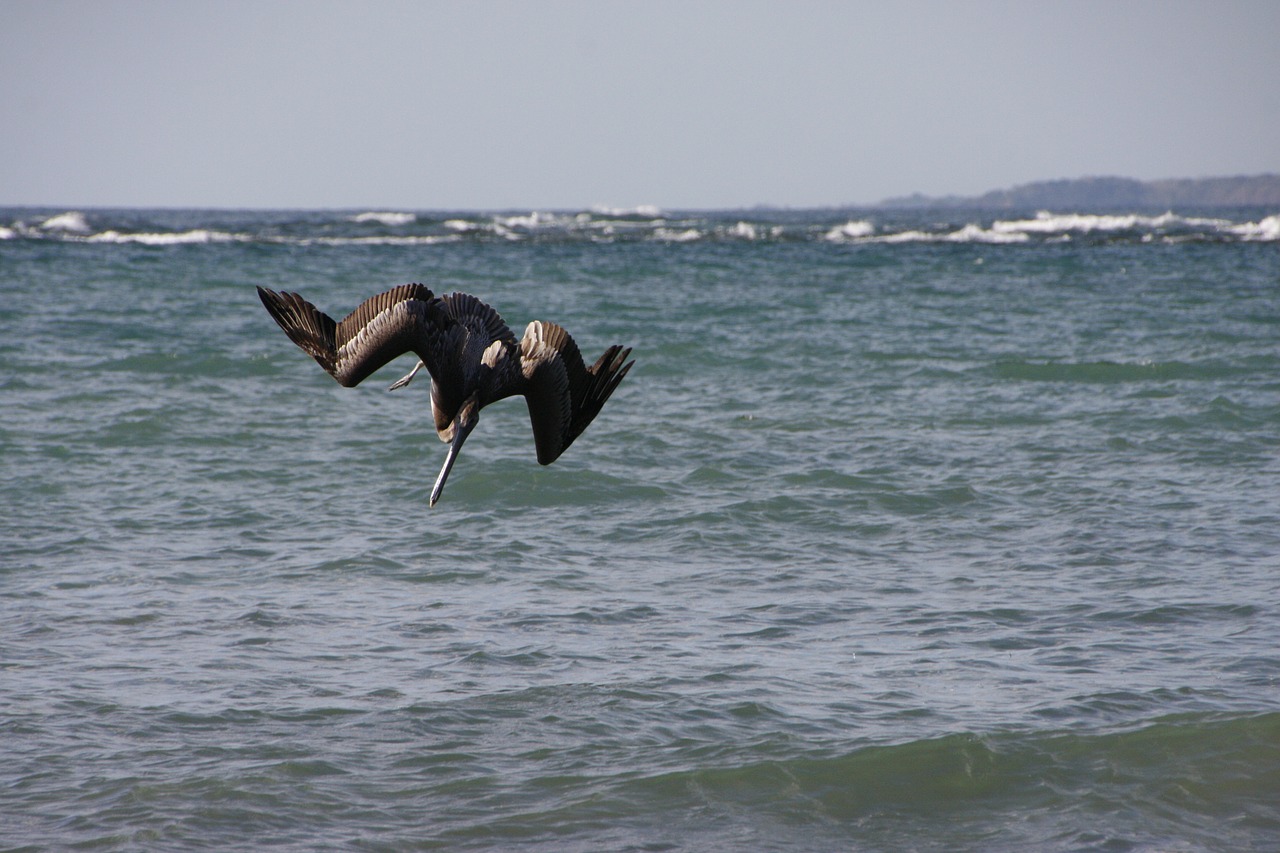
1105, 371
538, 220
1265, 229
73, 221
1181, 778
382, 240
385, 218
195, 235
1046, 222
864, 231
643, 211
607, 225
677, 235
854, 229
1168, 226
1047, 226
971, 233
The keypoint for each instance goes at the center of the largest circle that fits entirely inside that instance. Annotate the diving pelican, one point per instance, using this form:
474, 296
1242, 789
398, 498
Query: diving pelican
473, 357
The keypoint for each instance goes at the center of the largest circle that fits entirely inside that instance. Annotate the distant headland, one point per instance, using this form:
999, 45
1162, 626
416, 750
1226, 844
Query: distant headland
1104, 193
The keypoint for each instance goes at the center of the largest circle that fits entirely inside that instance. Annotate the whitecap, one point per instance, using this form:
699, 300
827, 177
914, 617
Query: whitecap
1267, 229
72, 221
672, 235
744, 231
971, 233
384, 240
609, 227
505, 232
530, 221
385, 217
854, 229
1046, 222
1051, 223
7, 233
1056, 223
643, 211
196, 235
908, 237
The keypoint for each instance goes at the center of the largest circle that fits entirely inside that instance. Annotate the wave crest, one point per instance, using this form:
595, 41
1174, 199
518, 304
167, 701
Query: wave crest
389, 218
646, 223
195, 235
73, 221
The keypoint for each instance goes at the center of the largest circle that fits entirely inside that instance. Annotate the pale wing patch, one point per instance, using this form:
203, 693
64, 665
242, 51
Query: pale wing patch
384, 322
546, 390
393, 331
495, 353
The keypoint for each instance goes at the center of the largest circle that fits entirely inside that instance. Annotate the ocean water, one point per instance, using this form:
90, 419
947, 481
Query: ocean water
919, 530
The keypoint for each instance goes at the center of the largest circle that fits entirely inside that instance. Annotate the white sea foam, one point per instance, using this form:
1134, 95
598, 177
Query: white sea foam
1267, 229
609, 227
384, 240
854, 229
673, 235
196, 235
649, 211
1045, 226
531, 221
1046, 222
971, 233
72, 221
1051, 223
473, 227
385, 217
1060, 227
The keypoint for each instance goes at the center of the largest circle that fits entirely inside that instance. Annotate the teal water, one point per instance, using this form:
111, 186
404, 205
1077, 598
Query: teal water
907, 531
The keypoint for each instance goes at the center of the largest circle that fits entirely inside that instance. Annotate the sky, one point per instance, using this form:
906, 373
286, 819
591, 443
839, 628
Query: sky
569, 104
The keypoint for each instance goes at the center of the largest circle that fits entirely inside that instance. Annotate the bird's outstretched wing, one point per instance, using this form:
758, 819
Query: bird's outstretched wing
563, 394
404, 319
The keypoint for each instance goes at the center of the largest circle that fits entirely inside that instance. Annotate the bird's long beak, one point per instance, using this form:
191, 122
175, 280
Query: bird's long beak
460, 435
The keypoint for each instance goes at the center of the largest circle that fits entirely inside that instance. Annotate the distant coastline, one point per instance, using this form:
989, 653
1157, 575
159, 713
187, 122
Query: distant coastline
1105, 193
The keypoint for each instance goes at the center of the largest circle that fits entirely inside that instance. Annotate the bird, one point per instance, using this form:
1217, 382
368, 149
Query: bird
473, 358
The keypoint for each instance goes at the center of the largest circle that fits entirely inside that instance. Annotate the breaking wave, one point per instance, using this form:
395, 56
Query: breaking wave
607, 225
645, 211
385, 218
72, 221
195, 235
854, 229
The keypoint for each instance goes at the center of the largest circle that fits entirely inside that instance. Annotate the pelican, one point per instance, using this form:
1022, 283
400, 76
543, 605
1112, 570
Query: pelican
473, 357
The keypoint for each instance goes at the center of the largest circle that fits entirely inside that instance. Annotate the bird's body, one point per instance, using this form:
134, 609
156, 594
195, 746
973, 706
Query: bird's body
473, 357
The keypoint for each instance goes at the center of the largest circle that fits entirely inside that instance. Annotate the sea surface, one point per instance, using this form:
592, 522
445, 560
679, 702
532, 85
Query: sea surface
908, 531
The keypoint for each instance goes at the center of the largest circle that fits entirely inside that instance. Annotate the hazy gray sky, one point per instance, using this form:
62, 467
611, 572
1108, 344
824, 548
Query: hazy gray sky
677, 103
